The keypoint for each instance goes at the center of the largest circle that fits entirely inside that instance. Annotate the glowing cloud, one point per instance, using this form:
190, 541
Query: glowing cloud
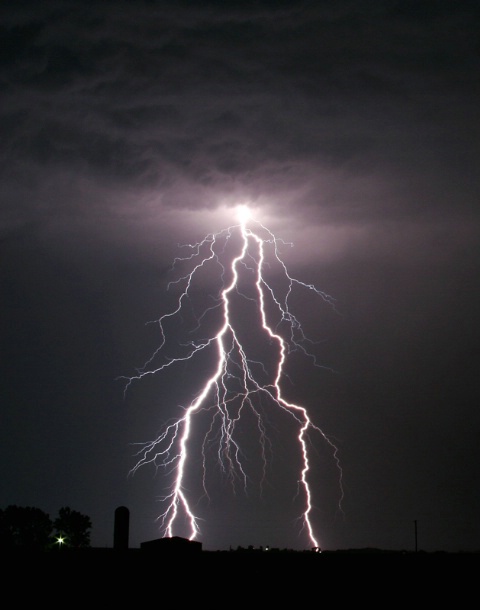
243, 214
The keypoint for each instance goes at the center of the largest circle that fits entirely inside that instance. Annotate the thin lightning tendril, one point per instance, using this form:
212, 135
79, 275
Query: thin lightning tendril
235, 384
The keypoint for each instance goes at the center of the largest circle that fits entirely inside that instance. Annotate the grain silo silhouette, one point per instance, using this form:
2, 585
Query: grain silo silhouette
121, 529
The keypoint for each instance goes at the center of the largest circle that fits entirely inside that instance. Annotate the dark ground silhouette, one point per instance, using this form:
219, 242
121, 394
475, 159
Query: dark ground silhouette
227, 579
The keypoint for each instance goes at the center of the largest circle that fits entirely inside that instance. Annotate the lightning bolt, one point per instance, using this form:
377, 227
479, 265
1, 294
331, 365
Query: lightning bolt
240, 257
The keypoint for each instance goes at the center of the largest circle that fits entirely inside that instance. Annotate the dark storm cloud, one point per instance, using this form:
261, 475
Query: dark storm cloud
232, 96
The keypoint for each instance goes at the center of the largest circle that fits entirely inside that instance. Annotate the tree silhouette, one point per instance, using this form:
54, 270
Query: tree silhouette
73, 527
25, 528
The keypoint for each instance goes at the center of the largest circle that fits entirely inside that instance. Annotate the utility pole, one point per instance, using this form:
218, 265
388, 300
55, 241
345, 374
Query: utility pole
416, 547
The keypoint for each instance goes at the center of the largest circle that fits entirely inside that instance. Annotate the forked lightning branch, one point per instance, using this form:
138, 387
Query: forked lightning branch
246, 261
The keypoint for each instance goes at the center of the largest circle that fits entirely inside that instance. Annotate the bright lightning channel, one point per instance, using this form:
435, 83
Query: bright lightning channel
238, 381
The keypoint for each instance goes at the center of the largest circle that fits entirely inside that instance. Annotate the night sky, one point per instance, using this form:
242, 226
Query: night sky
352, 131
